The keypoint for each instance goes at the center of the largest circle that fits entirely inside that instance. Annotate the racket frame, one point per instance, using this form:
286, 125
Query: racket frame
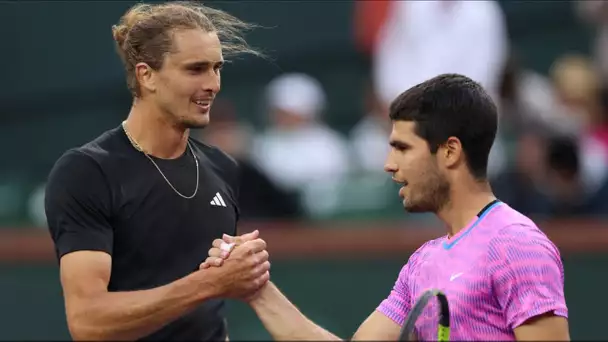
443, 326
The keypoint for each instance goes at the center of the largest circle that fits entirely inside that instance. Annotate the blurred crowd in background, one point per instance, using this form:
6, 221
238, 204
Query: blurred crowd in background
550, 158
309, 126
551, 153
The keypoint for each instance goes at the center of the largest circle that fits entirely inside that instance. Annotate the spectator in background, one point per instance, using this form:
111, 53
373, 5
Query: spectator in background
297, 148
564, 182
527, 98
600, 129
521, 183
419, 40
596, 13
584, 96
369, 137
577, 88
259, 197
369, 19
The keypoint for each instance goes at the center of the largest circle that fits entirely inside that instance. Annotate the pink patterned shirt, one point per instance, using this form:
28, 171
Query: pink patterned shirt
497, 273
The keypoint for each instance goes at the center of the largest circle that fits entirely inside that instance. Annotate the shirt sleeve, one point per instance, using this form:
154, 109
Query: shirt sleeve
527, 275
77, 205
397, 305
399, 302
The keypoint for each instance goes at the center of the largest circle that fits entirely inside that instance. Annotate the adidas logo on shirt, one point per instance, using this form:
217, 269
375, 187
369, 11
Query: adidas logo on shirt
218, 200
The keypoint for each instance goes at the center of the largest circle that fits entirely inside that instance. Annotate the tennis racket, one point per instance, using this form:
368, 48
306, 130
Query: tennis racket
443, 328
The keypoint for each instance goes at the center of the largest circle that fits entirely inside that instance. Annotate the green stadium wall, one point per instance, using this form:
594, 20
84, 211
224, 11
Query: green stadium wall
338, 295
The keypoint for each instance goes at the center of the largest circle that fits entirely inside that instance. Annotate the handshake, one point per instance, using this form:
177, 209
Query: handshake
238, 265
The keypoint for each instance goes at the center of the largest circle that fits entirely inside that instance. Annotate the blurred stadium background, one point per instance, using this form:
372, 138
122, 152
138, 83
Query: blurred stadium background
309, 127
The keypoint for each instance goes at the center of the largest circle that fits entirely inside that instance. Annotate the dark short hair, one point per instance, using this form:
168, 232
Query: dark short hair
451, 105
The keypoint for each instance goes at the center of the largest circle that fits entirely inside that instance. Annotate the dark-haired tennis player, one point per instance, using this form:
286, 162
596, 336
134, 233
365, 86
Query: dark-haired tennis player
503, 277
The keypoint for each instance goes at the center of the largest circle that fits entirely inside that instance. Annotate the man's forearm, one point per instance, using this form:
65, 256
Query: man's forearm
283, 320
133, 315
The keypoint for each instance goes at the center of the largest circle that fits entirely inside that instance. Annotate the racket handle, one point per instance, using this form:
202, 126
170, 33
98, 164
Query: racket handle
443, 333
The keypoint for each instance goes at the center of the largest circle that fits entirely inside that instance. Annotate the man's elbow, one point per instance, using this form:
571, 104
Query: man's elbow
82, 329
80, 332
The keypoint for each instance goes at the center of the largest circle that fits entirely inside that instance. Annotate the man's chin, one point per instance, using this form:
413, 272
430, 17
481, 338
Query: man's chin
413, 208
196, 123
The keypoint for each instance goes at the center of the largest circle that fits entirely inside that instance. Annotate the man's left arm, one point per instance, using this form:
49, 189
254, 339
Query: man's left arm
528, 282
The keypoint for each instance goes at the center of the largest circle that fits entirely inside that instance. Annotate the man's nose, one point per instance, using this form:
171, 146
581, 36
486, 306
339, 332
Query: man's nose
212, 83
390, 167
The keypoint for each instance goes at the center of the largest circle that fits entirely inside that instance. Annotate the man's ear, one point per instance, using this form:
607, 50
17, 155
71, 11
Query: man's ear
145, 77
451, 153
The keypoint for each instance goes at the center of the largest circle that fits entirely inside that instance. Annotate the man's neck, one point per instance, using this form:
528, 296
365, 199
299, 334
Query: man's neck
154, 133
464, 205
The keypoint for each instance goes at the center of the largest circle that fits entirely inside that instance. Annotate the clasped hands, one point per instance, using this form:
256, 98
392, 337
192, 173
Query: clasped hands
241, 263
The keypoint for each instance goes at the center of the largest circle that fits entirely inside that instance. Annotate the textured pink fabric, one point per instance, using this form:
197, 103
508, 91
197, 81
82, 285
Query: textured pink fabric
497, 272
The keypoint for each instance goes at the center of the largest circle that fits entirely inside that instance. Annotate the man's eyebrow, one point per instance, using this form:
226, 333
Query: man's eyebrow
399, 144
204, 64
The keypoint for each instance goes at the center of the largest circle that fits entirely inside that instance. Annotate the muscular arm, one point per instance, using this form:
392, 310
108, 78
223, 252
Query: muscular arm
93, 313
378, 327
285, 322
547, 327
79, 209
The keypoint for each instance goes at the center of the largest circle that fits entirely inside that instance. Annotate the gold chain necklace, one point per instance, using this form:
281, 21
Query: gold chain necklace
138, 147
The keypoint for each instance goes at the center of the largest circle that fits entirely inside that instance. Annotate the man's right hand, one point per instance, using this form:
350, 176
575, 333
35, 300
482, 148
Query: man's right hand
244, 271
221, 248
